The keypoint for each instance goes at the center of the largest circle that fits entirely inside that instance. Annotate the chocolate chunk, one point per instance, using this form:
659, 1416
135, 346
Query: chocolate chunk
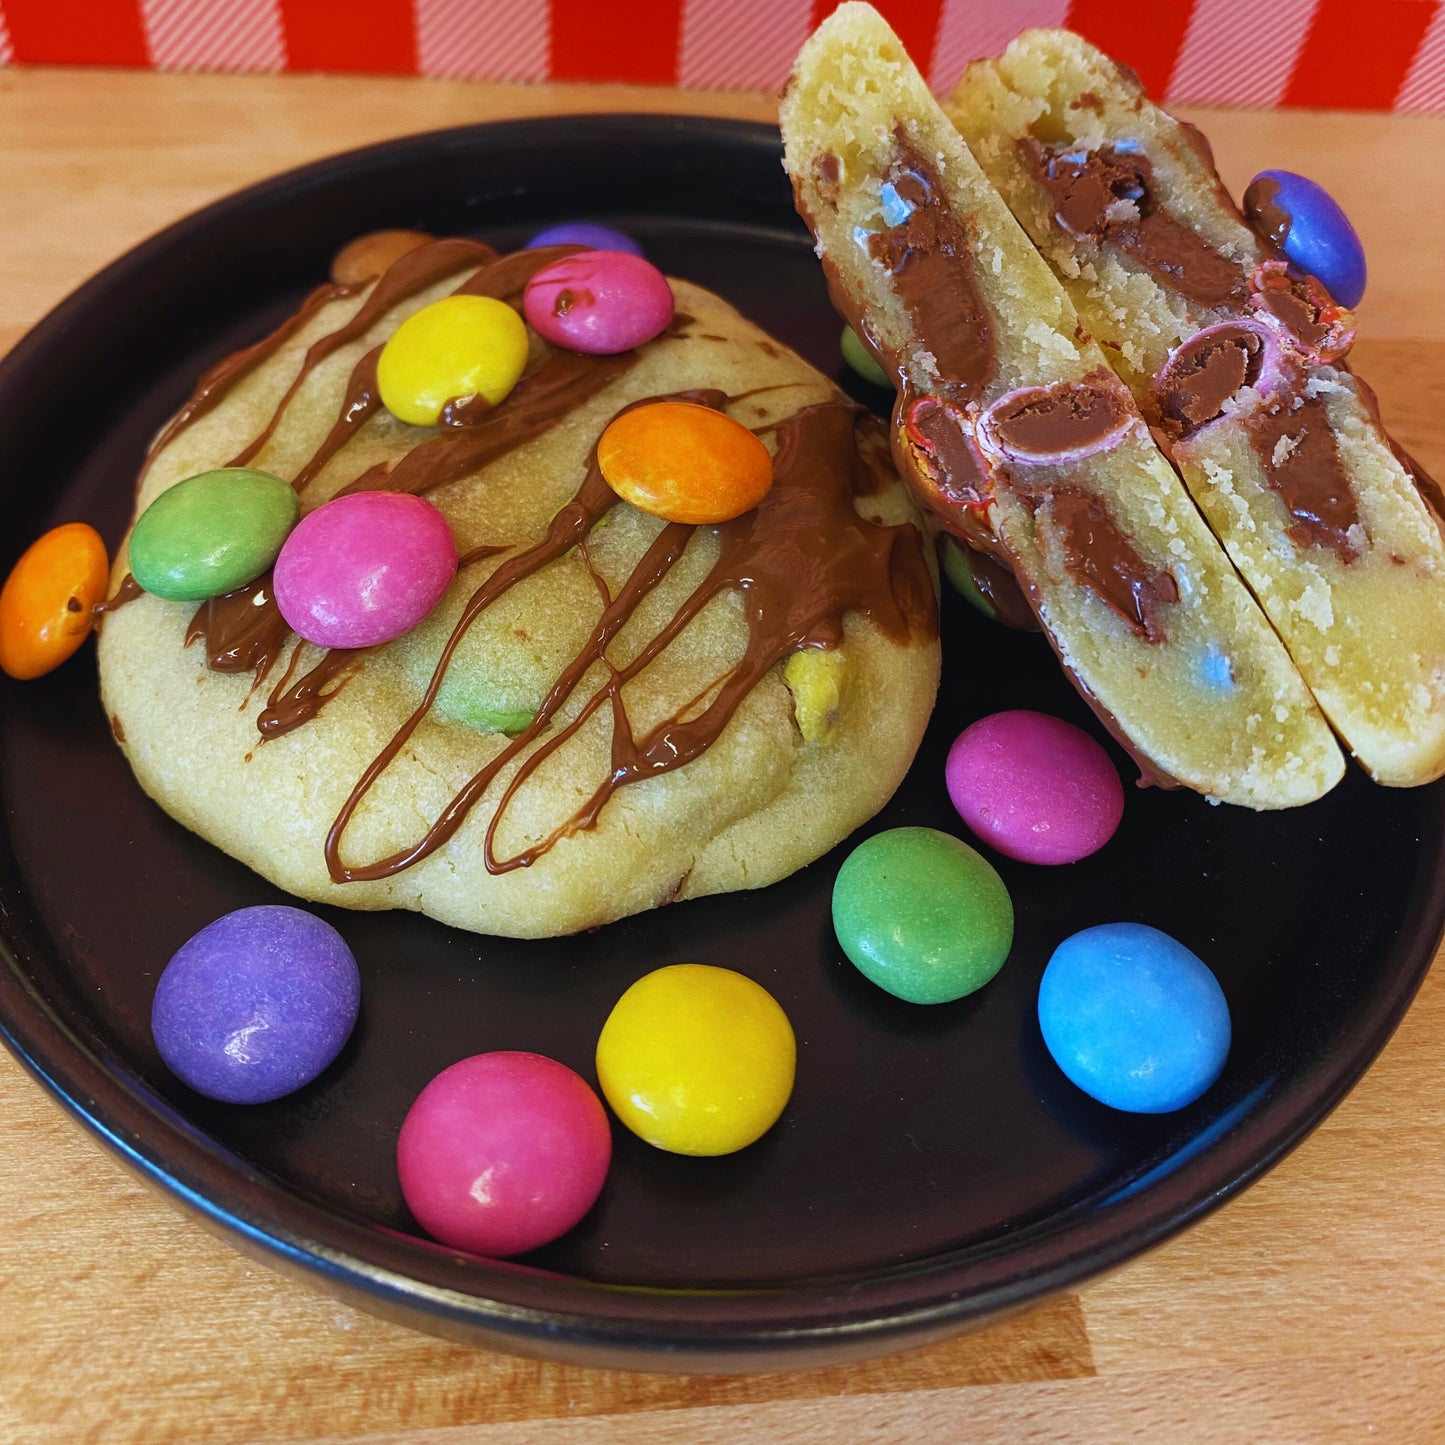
1204, 373
1302, 464
1068, 419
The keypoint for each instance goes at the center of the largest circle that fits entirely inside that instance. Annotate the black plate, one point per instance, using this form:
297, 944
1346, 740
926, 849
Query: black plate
933, 1167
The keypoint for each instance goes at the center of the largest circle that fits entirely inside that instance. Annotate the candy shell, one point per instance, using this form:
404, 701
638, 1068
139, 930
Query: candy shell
860, 359
502, 1153
684, 463
363, 569
598, 302
458, 347
47, 603
956, 564
1035, 787
1134, 1018
697, 1060
365, 258
922, 915
585, 233
211, 533
256, 1005
1317, 235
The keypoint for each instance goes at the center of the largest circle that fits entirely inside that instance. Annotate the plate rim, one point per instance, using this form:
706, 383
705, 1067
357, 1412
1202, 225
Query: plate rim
726, 1329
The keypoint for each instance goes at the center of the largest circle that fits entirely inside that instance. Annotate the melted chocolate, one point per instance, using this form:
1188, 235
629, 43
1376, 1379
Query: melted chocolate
1107, 196
1052, 421
292, 704
801, 559
1204, 373
243, 631
1302, 464
1098, 555
1295, 302
1263, 212
929, 257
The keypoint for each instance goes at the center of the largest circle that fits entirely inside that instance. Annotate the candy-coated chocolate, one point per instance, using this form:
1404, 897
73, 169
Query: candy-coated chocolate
211, 533
453, 349
957, 568
1320, 238
598, 302
1134, 1018
685, 463
1034, 787
697, 1060
858, 357
365, 258
922, 915
502, 1153
363, 569
47, 603
257, 1004
585, 233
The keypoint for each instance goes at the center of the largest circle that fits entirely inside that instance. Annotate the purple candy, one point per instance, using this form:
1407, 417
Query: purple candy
585, 233
363, 569
1320, 239
598, 302
1034, 787
256, 1004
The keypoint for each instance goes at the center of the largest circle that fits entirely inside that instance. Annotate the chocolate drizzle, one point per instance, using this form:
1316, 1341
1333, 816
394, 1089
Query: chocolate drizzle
1264, 214
1108, 196
1302, 464
243, 631
801, 559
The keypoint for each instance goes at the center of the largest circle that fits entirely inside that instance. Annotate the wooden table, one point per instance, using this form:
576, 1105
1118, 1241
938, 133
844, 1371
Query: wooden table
1310, 1309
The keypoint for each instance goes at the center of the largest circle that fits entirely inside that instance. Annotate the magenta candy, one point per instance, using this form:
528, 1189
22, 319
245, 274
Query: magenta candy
363, 569
598, 302
502, 1153
1034, 787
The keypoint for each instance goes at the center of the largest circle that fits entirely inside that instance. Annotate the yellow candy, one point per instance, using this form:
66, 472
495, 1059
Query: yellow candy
818, 682
697, 1060
459, 346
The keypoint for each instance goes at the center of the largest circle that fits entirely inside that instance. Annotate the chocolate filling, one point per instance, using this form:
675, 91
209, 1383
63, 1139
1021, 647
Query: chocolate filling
929, 258
1098, 555
1107, 196
1288, 297
1302, 464
1206, 372
1048, 422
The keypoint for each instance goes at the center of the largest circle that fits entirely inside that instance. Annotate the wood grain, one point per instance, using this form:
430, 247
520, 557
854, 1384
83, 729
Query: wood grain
1310, 1309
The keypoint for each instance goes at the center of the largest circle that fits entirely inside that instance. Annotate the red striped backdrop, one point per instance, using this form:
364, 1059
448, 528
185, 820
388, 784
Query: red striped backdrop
1361, 54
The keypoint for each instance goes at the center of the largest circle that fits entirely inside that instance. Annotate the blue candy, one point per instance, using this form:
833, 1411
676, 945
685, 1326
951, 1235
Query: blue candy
256, 1004
1134, 1018
1320, 239
585, 233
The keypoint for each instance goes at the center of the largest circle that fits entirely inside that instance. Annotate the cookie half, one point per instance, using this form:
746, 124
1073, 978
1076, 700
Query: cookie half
607, 711
1012, 427
1238, 360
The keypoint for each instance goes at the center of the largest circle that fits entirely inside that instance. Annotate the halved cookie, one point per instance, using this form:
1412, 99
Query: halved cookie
607, 711
1012, 427
1237, 360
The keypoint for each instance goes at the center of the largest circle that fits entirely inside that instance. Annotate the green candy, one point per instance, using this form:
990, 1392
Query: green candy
959, 571
856, 355
212, 533
922, 915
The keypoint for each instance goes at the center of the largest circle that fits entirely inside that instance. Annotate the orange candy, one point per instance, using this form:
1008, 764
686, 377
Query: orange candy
684, 463
46, 606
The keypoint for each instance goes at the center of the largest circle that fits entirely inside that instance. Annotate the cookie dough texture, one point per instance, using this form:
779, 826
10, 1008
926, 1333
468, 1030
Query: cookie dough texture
759, 803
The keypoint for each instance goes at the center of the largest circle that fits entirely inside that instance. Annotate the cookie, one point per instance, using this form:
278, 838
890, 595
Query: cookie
1013, 429
1238, 360
605, 711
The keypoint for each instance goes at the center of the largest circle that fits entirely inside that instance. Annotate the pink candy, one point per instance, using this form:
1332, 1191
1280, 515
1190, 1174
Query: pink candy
598, 302
502, 1153
1034, 787
363, 569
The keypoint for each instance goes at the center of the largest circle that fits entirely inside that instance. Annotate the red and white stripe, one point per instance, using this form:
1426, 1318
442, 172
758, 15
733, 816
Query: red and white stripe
219, 35
741, 44
7, 51
969, 30
1240, 54
483, 39
1423, 92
